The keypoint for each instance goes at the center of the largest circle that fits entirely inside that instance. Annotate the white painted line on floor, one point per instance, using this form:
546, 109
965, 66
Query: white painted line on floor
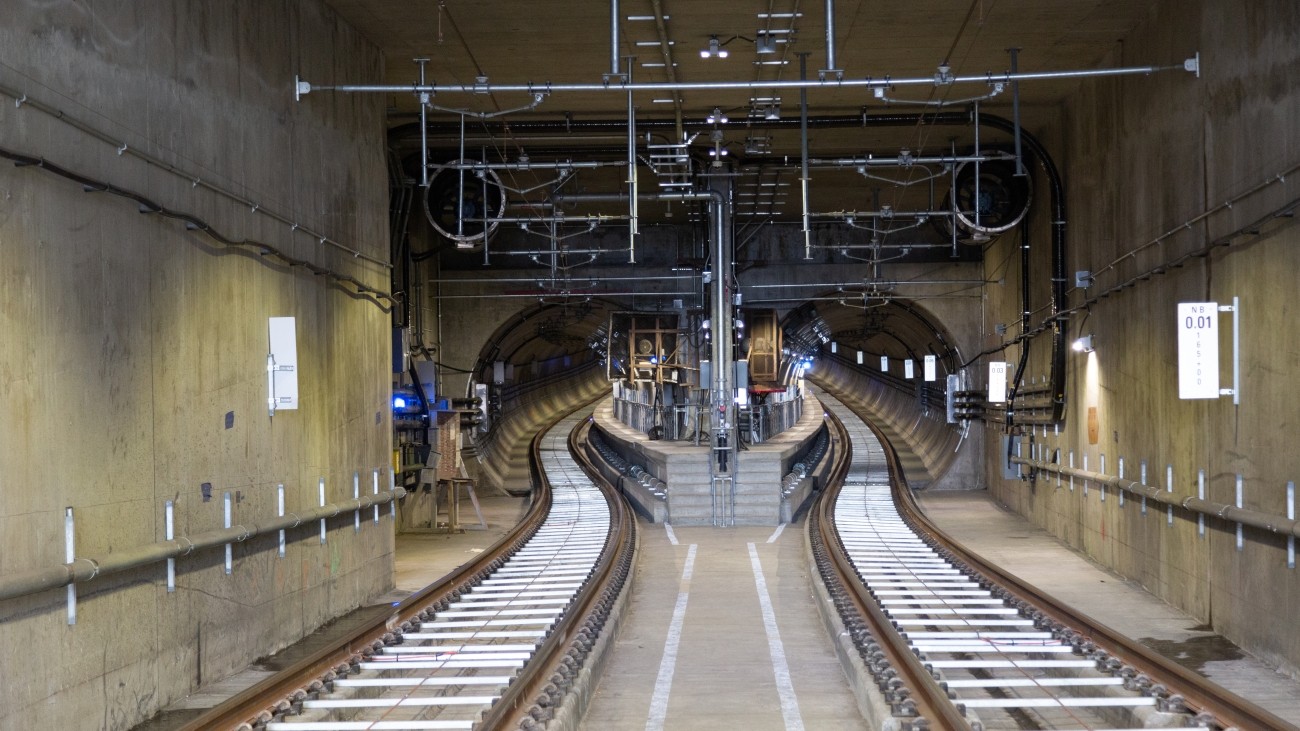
672, 537
776, 534
664, 683
784, 684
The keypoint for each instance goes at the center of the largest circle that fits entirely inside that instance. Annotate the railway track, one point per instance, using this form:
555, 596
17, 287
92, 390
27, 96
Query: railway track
955, 644
497, 644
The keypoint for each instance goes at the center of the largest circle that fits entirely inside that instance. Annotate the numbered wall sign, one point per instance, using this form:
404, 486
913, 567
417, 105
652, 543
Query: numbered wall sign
997, 382
1198, 350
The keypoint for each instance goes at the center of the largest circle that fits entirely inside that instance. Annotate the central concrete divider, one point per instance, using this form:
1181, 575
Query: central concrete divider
684, 467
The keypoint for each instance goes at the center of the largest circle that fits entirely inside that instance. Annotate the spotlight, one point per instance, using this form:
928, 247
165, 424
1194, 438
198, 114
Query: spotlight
399, 402
765, 43
773, 113
714, 49
1083, 344
716, 117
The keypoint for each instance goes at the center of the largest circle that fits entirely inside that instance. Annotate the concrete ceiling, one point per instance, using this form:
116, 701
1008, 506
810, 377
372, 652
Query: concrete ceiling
564, 42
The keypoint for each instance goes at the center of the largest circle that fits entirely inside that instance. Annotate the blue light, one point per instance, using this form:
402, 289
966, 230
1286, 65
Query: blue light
399, 402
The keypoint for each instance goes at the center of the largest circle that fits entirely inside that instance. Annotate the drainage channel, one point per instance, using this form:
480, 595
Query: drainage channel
997, 663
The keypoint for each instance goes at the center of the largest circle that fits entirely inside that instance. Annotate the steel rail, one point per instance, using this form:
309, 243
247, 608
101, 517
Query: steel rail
263, 699
931, 700
596, 596
1200, 695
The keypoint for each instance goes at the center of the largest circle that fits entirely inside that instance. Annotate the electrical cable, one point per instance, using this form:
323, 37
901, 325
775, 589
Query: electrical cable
194, 223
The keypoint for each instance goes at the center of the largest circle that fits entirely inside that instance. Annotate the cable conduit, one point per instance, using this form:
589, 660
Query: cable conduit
194, 223
38, 580
21, 100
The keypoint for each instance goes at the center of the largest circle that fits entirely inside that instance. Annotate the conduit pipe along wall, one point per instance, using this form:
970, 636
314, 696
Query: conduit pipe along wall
85, 569
1059, 298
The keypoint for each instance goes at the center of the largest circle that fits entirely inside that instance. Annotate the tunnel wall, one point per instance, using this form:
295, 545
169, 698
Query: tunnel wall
931, 450
1142, 156
133, 352
501, 459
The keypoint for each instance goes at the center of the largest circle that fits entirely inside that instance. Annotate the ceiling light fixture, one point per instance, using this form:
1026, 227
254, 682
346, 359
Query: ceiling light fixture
714, 49
773, 113
765, 43
716, 117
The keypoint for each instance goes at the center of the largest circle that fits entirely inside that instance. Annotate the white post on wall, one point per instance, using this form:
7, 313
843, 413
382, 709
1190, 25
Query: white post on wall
321, 489
376, 484
356, 495
279, 510
1200, 493
1240, 488
1143, 480
1169, 487
1102, 486
392, 488
1290, 515
230, 547
70, 553
1121, 476
169, 528
1085, 469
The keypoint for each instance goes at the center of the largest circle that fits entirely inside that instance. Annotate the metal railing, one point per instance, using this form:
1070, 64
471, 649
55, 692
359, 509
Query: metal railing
690, 422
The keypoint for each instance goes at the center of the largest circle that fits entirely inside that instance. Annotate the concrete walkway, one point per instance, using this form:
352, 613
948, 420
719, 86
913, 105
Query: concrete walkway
722, 633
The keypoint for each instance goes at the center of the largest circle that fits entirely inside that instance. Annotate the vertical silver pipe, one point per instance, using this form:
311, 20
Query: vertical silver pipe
1200, 493
1071, 467
460, 190
1169, 487
376, 492
803, 147
830, 37
320, 487
631, 171
70, 554
1290, 515
279, 510
1143, 480
613, 39
1102, 486
1015, 109
1240, 490
977, 166
169, 532
424, 127
1121, 476
952, 196
230, 547
356, 495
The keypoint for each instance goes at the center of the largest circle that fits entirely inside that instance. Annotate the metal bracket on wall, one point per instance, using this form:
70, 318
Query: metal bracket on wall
1235, 391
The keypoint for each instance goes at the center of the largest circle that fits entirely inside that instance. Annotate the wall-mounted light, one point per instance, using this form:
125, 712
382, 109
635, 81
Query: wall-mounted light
714, 49
1083, 344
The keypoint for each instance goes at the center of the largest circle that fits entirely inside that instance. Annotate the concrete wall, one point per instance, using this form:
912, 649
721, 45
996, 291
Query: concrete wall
1141, 156
125, 340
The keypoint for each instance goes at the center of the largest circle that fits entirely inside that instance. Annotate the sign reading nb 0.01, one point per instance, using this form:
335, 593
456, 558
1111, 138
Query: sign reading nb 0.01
1198, 350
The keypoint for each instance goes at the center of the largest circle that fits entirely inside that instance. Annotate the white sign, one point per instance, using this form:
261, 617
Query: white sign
282, 364
929, 368
907, 368
1198, 350
997, 382
884, 364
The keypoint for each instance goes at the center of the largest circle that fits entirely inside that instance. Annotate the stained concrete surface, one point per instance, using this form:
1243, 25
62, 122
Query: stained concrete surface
1010, 542
723, 676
